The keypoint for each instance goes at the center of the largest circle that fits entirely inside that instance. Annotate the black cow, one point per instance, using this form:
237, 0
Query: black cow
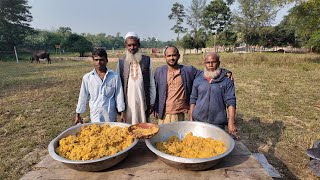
41, 55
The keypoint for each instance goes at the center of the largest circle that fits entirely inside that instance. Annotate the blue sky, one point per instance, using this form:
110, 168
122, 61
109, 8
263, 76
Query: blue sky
148, 18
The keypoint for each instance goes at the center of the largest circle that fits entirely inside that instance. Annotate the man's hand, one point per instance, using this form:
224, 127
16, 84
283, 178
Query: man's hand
232, 130
77, 119
190, 115
229, 75
192, 106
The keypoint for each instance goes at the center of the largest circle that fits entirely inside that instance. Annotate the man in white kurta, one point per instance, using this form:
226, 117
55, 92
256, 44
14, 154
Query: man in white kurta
138, 106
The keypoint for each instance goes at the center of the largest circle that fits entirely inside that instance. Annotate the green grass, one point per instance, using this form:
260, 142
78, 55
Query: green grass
278, 107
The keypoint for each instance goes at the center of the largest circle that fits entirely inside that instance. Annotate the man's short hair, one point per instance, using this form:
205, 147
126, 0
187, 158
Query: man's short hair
170, 46
100, 52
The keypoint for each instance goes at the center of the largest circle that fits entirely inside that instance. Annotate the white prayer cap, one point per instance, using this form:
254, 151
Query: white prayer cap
131, 34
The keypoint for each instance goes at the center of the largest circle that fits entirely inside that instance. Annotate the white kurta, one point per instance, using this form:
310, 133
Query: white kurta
136, 106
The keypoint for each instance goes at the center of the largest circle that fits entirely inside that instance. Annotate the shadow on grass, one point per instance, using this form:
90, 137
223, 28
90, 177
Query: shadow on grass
262, 137
313, 60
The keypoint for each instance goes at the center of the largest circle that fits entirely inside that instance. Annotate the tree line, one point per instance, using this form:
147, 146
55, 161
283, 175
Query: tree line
214, 23
15, 30
208, 25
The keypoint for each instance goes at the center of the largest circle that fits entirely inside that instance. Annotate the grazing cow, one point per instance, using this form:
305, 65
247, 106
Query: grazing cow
41, 55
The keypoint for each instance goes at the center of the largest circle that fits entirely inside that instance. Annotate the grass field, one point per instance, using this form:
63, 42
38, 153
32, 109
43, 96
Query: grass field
278, 107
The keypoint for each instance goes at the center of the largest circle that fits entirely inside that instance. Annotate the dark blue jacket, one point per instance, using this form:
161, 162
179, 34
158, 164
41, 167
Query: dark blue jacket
211, 100
188, 74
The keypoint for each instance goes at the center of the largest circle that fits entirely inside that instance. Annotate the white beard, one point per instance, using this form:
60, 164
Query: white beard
211, 74
133, 57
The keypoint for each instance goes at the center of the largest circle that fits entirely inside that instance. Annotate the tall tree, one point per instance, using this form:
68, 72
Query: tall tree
187, 42
178, 14
305, 16
216, 16
200, 38
225, 38
78, 43
285, 33
314, 41
63, 33
195, 13
252, 15
14, 22
305, 19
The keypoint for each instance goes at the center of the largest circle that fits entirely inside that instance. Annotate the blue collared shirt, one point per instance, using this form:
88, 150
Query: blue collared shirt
105, 97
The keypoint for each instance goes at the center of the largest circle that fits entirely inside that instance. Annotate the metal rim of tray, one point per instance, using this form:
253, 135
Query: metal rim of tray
191, 160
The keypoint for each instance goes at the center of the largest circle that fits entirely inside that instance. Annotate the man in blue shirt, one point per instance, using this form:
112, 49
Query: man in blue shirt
212, 93
103, 89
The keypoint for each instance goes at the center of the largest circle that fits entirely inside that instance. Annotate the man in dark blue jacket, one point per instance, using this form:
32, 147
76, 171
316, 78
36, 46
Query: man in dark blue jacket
213, 94
173, 84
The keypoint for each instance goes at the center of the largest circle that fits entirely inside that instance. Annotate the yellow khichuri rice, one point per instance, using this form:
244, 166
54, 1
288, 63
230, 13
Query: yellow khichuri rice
138, 131
192, 147
94, 141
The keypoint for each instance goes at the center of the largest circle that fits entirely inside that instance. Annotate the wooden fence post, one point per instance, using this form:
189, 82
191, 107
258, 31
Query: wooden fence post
15, 52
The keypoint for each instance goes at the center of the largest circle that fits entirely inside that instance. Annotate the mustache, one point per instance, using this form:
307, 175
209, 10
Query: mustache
211, 74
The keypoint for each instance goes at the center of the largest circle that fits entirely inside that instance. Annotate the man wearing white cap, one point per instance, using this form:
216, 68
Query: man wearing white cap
137, 79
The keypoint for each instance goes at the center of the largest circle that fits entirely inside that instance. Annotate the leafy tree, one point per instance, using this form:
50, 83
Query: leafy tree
107, 41
98, 40
266, 37
229, 2
285, 34
305, 16
314, 41
284, 2
177, 14
252, 15
216, 16
152, 42
196, 42
40, 40
117, 42
199, 40
46, 40
63, 33
194, 19
187, 42
14, 22
225, 38
195, 14
77, 43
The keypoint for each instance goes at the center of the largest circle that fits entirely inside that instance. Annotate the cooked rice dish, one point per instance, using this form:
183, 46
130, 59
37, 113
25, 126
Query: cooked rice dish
191, 147
94, 141
138, 131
